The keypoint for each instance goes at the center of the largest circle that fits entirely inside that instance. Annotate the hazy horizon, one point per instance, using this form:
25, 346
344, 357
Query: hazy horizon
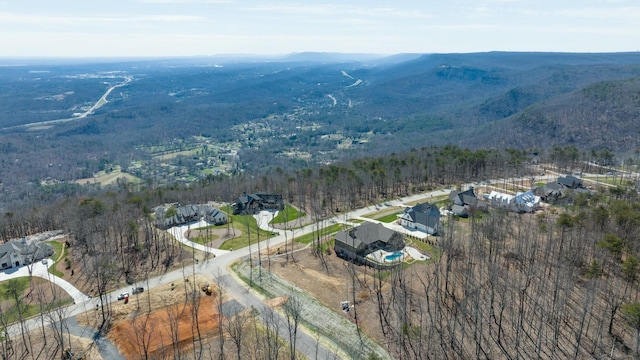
190, 28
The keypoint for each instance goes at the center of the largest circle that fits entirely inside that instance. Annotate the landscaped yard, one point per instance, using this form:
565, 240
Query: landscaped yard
32, 298
308, 238
289, 213
59, 253
388, 218
250, 232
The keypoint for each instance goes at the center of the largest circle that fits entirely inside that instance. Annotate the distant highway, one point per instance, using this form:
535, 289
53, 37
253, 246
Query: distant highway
90, 111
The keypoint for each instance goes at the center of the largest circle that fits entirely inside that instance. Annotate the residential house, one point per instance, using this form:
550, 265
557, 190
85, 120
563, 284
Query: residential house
463, 202
549, 192
570, 182
362, 240
522, 202
21, 252
555, 190
174, 215
254, 203
424, 217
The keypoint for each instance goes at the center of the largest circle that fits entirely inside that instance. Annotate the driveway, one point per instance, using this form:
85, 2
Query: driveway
179, 231
218, 268
42, 271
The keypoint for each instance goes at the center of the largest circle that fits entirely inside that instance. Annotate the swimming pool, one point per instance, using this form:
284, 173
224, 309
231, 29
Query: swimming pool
393, 256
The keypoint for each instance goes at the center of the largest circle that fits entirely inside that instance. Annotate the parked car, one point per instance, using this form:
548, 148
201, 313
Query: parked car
123, 295
137, 290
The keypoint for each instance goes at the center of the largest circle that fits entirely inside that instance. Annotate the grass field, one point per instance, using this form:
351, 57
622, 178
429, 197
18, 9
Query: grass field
108, 179
59, 253
388, 218
289, 213
308, 238
248, 225
28, 306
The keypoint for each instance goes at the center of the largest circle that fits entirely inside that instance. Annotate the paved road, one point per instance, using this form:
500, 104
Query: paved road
218, 268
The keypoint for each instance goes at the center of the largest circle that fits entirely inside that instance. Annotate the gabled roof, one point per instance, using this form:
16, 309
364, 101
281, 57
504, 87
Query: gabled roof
569, 181
365, 234
466, 197
425, 213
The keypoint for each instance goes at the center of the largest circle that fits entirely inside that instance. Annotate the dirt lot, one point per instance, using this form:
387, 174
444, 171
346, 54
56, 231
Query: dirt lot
153, 319
333, 284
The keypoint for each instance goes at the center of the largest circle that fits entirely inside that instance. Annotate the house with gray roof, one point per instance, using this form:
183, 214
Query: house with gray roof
254, 203
364, 239
169, 216
22, 252
553, 191
570, 182
424, 217
463, 202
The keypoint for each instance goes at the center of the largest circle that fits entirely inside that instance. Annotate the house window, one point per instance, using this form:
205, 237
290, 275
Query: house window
5, 265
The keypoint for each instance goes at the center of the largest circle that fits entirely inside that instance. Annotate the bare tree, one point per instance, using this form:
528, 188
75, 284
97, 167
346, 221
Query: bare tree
143, 332
292, 310
236, 327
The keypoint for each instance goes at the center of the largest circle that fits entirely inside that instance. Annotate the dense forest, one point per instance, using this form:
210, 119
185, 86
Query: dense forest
481, 300
334, 137
299, 112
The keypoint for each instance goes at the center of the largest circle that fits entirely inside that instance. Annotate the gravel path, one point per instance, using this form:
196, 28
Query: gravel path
105, 347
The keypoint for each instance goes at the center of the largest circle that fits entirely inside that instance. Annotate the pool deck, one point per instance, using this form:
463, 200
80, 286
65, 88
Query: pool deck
379, 256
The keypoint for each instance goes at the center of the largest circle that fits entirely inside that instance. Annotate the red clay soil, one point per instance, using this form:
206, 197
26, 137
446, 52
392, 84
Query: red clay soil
154, 329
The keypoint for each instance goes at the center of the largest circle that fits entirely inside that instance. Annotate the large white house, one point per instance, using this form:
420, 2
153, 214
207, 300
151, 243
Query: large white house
21, 252
424, 217
522, 202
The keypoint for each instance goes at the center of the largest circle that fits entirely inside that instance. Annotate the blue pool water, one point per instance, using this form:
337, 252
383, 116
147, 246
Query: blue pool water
393, 256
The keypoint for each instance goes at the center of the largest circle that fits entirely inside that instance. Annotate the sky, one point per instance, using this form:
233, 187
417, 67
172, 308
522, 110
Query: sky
159, 28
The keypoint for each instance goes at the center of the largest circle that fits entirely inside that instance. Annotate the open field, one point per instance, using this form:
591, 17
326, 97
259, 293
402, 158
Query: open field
105, 179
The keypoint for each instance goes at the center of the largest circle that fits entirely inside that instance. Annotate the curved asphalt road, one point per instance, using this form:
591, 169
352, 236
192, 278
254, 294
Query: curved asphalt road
218, 268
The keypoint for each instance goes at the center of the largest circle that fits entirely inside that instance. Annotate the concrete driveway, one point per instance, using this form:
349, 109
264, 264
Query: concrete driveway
179, 231
42, 271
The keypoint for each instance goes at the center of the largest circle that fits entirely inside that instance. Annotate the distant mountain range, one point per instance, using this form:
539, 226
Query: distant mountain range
328, 106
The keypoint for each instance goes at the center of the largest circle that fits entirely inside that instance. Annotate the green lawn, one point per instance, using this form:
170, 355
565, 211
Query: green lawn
10, 315
29, 308
308, 238
21, 284
289, 213
248, 226
57, 250
205, 239
388, 218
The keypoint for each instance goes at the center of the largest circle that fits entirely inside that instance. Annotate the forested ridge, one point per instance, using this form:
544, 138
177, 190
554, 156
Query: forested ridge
295, 112
561, 283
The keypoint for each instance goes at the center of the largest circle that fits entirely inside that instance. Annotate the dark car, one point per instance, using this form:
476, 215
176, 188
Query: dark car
137, 290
